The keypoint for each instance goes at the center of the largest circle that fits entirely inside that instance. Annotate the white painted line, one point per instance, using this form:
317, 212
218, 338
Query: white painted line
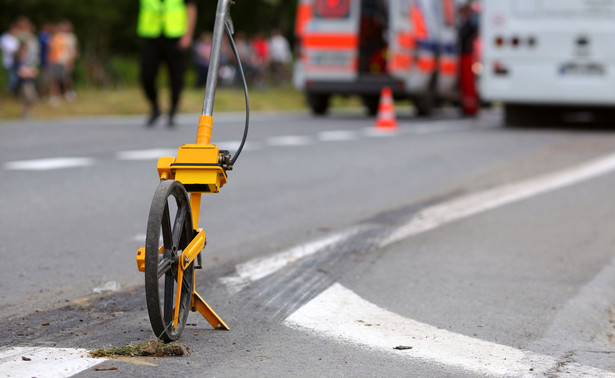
256, 269
44, 362
337, 135
148, 154
341, 315
48, 164
438, 215
435, 127
289, 140
380, 133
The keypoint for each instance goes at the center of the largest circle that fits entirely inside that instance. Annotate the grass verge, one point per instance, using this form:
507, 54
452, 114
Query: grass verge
130, 100
152, 348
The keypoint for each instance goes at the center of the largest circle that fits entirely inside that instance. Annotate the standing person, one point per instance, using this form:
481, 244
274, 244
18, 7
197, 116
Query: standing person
26, 83
468, 32
166, 28
72, 51
44, 35
9, 44
58, 58
202, 50
260, 45
280, 55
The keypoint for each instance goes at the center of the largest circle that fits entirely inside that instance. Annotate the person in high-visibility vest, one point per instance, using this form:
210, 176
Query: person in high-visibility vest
166, 28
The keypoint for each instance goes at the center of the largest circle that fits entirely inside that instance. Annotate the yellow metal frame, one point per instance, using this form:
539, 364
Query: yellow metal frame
197, 168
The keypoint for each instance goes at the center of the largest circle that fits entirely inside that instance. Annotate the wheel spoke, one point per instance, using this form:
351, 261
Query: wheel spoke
163, 267
169, 284
167, 236
178, 227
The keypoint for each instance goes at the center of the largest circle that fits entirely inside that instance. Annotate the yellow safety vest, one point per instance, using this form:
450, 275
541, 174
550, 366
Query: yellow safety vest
162, 17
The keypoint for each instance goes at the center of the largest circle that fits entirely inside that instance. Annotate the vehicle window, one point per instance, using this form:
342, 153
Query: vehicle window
332, 9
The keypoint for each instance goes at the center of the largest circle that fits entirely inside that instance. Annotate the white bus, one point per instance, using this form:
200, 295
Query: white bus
542, 55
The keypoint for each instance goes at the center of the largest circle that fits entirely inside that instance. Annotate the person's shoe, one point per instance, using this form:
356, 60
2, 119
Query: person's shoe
151, 121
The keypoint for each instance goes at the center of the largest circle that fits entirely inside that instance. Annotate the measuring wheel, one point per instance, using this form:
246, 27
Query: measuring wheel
169, 230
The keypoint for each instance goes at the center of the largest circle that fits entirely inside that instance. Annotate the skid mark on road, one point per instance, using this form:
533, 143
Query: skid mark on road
256, 269
339, 314
44, 362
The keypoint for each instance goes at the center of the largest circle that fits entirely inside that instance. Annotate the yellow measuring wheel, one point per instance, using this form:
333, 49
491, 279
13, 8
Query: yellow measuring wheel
173, 241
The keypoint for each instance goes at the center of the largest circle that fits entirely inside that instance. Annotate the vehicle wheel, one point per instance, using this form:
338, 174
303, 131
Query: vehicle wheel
371, 102
170, 215
425, 103
319, 103
519, 115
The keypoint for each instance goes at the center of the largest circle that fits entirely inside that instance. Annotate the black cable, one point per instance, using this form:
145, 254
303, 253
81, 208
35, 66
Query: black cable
229, 34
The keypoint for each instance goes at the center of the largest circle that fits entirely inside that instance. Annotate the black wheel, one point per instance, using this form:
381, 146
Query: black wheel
319, 103
171, 218
425, 104
371, 102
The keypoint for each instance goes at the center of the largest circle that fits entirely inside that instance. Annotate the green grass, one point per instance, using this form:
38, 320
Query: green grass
131, 100
153, 348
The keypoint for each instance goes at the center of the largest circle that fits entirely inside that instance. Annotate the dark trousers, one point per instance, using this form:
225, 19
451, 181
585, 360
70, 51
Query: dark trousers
156, 51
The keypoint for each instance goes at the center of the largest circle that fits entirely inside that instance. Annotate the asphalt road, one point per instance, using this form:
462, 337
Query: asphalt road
480, 249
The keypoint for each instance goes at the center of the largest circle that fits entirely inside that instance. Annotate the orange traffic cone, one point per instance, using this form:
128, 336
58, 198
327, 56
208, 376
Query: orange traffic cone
386, 111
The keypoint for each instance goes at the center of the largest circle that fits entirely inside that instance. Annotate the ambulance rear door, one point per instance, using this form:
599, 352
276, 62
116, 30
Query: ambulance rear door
401, 41
330, 40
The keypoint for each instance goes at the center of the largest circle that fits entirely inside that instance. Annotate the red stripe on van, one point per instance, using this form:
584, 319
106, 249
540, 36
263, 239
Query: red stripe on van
331, 41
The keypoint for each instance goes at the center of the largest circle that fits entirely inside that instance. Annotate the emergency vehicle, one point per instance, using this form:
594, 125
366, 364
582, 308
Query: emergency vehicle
543, 59
357, 47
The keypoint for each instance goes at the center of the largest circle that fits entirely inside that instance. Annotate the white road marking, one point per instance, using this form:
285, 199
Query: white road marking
436, 127
380, 133
341, 315
44, 362
256, 269
148, 154
463, 207
289, 140
337, 135
48, 164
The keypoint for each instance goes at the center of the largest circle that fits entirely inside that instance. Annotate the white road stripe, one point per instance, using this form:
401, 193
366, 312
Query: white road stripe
438, 215
48, 164
256, 269
289, 140
44, 362
148, 154
337, 135
380, 133
343, 316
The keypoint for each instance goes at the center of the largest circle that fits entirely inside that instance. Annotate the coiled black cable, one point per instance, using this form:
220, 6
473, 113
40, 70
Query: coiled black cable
229, 34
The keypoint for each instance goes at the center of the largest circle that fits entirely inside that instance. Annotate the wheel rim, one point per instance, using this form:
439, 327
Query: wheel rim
169, 225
